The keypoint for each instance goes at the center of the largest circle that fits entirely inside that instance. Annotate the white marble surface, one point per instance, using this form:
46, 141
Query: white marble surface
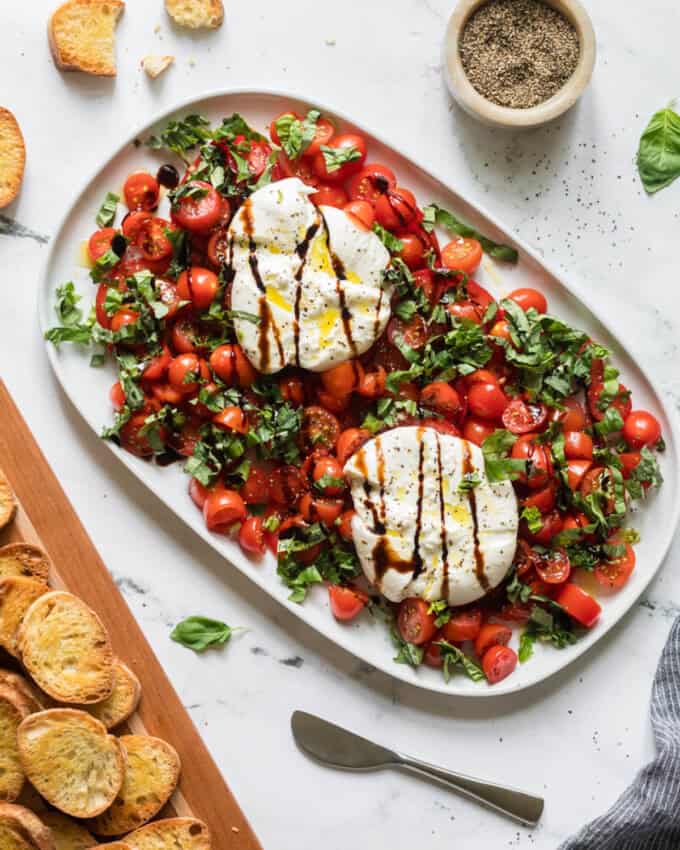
571, 190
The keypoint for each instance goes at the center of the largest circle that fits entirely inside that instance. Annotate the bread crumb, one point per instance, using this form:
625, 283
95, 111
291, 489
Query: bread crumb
155, 65
235, 829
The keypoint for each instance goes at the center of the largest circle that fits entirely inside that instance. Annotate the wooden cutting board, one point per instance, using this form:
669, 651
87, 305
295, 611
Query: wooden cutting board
45, 518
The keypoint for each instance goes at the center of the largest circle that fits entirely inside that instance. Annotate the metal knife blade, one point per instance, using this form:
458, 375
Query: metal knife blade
336, 746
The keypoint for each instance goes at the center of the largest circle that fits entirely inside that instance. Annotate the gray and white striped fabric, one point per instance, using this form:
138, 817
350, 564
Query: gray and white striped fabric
647, 815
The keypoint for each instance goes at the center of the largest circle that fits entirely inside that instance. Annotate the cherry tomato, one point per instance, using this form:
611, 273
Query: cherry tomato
592, 480
198, 213
371, 182
573, 418
578, 444
528, 298
232, 366
184, 336
539, 463
621, 402
122, 318
287, 484
117, 396
255, 489
413, 333
322, 136
396, 208
152, 241
300, 168
133, 440
329, 195
258, 158
521, 417
292, 390
433, 653
158, 365
462, 254
491, 634
501, 330
141, 191
442, 398
273, 132
579, 604
412, 251
345, 142
424, 279
343, 379
346, 602
350, 441
551, 525
641, 428
223, 508
184, 373
614, 573
464, 625
361, 213
373, 384
345, 525
554, 566
100, 242
198, 286
135, 222
328, 467
218, 247
166, 292
488, 401
100, 301
477, 430
166, 394
198, 492
415, 623
320, 510
629, 460
440, 425
320, 429
544, 499
251, 536
498, 663
466, 310
231, 418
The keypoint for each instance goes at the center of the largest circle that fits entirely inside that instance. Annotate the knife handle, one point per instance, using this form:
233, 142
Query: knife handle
517, 804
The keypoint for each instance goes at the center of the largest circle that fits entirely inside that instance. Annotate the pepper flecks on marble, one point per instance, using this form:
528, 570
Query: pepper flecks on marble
9, 227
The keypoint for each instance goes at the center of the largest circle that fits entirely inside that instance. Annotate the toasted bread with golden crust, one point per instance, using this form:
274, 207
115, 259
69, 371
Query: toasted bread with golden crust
67, 833
66, 649
171, 834
17, 594
20, 829
112, 845
29, 697
12, 160
196, 14
71, 760
123, 701
8, 502
24, 559
151, 776
11, 772
82, 36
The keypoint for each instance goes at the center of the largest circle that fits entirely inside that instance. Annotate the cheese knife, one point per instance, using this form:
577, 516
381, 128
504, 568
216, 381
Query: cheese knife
340, 748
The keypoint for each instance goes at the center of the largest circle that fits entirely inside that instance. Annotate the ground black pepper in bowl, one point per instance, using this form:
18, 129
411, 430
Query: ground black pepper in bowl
518, 53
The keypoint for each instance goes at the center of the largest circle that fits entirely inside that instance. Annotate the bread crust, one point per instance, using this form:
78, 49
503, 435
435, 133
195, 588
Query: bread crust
29, 697
24, 559
12, 714
67, 833
8, 502
196, 14
12, 164
122, 703
26, 828
170, 834
17, 594
69, 59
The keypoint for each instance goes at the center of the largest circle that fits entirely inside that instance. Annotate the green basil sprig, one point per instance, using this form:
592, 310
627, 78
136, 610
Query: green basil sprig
658, 157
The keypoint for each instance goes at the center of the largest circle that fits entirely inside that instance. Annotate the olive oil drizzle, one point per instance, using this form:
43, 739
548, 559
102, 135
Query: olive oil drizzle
479, 557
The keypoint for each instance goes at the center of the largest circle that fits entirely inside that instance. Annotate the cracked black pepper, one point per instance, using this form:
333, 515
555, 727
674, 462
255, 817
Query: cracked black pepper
518, 53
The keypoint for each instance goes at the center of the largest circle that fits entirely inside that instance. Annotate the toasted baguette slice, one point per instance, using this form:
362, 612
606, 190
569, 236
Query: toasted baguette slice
20, 829
151, 776
8, 502
66, 649
82, 36
196, 14
17, 594
12, 158
153, 66
11, 772
30, 698
123, 701
171, 834
67, 833
71, 760
112, 845
23, 559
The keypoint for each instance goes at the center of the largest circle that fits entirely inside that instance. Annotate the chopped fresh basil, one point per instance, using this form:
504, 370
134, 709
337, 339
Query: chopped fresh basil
612, 422
198, 633
295, 134
407, 653
658, 156
182, 136
436, 216
107, 212
335, 158
496, 448
441, 611
72, 328
391, 242
454, 657
468, 482
329, 481
647, 472
533, 517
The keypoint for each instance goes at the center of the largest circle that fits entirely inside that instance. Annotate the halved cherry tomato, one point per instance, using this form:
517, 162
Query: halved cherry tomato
133, 440
373, 383
350, 441
578, 444
198, 492
328, 467
371, 182
543, 499
621, 402
300, 168
158, 365
554, 566
185, 371
166, 293
166, 394
488, 401
462, 254
521, 417
539, 462
346, 602
152, 241
100, 300
442, 398
320, 510
501, 330
273, 132
200, 211
576, 472
232, 366
258, 158
498, 663
343, 379
443, 426
345, 525
579, 604
432, 656
141, 191
491, 634
464, 625
424, 279
629, 460
255, 489
134, 223
361, 213
218, 247
198, 286
232, 418
185, 336
573, 418
528, 298
477, 430
466, 310
615, 573
396, 208
287, 484
322, 136
292, 390
414, 621
641, 428
320, 429
117, 396
334, 403
223, 508
346, 143
122, 318
100, 242
412, 250
413, 333
251, 536
551, 525
329, 195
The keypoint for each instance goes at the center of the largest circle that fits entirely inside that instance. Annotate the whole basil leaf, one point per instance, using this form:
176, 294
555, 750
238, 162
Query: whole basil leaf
198, 633
658, 157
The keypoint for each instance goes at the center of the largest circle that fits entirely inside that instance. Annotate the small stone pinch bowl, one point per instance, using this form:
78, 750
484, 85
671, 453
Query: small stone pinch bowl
491, 113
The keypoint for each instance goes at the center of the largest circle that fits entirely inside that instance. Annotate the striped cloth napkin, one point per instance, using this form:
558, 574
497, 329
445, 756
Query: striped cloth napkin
647, 815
